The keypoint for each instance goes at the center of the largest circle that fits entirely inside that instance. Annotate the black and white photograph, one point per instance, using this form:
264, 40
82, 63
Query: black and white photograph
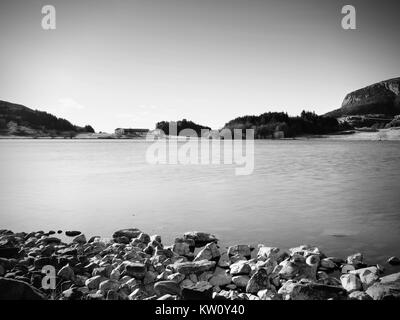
223, 151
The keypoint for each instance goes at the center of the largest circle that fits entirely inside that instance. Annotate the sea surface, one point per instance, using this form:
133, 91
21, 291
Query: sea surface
342, 196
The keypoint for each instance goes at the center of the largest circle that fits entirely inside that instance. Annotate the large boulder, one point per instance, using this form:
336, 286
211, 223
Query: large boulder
346, 268
108, 285
350, 282
94, 282
265, 252
359, 295
135, 269
298, 268
128, 233
240, 267
292, 290
242, 250
241, 281
258, 281
328, 264
176, 277
200, 291
209, 252
220, 278
115, 274
72, 233
103, 271
200, 238
11, 289
49, 240
224, 261
306, 250
355, 259
167, 287
182, 249
39, 263
368, 276
388, 288
143, 237
192, 267
269, 265
150, 277
395, 261
66, 273
81, 239
189, 241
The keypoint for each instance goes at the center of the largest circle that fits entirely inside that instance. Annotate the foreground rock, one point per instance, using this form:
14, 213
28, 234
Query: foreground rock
199, 291
187, 268
72, 233
311, 291
200, 238
133, 265
350, 282
11, 289
394, 261
210, 252
388, 288
167, 287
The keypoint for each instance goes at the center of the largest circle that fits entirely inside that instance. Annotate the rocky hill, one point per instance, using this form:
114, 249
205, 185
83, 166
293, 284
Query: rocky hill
18, 120
380, 98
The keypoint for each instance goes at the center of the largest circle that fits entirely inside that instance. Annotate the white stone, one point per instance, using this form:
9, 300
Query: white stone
350, 282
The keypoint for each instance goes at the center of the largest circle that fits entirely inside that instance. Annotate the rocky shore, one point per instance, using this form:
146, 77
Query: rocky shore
133, 265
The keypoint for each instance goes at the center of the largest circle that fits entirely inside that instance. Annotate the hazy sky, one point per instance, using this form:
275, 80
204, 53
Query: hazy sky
132, 63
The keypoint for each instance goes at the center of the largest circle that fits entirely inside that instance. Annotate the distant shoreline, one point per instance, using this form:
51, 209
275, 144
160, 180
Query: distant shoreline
390, 134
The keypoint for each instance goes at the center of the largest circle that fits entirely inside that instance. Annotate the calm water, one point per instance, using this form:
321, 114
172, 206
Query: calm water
343, 196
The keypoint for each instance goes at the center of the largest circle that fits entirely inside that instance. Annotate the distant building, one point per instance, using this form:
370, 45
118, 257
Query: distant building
130, 132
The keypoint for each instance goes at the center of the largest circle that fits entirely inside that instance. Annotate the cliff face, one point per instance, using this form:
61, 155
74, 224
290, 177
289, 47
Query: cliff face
380, 98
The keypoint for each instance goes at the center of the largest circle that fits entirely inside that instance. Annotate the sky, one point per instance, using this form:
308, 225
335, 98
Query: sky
133, 63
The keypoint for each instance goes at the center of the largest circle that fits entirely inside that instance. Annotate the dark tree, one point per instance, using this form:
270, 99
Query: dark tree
88, 128
267, 123
35, 119
181, 125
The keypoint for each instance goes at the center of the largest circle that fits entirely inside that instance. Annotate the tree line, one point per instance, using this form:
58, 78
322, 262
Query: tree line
38, 120
266, 124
